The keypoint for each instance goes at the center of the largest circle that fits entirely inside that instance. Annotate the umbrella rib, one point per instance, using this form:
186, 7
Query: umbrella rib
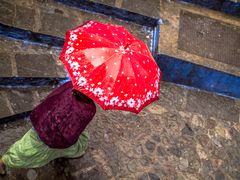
134, 72
107, 60
101, 37
118, 72
138, 52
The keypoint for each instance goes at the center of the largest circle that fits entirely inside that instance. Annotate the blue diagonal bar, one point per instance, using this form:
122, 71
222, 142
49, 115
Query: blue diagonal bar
189, 74
111, 11
33, 37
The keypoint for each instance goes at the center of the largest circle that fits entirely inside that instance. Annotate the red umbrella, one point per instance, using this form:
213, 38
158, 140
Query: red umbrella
111, 66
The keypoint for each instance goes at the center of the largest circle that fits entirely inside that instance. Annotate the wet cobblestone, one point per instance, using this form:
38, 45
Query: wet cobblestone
187, 134
167, 144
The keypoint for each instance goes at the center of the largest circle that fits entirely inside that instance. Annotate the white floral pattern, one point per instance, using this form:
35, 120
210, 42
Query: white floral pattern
73, 37
82, 81
131, 102
108, 97
98, 91
69, 50
149, 95
114, 100
74, 65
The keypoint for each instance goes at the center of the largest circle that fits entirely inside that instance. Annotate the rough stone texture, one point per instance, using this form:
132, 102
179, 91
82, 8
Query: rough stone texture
55, 19
55, 24
36, 65
44, 92
12, 132
5, 65
212, 39
20, 100
212, 106
29, 60
6, 13
147, 8
14, 101
172, 97
46, 11
155, 144
169, 37
140, 32
25, 17
4, 110
184, 135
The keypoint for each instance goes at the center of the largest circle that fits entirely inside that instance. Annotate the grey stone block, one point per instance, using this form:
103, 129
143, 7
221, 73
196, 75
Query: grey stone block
5, 65
56, 24
212, 105
24, 17
34, 65
4, 110
21, 100
148, 8
6, 13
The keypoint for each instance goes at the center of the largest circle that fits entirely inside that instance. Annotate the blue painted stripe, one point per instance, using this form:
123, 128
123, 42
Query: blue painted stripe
225, 6
155, 39
26, 35
15, 117
175, 70
185, 73
26, 82
111, 11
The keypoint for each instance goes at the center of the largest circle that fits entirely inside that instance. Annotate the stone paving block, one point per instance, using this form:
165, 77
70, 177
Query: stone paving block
150, 145
25, 3
44, 92
172, 96
37, 65
148, 8
21, 100
122, 146
212, 106
9, 46
4, 109
24, 17
170, 37
5, 65
56, 24
212, 39
11, 132
6, 13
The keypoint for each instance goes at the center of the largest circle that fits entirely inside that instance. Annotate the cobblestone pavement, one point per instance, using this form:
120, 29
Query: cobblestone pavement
185, 135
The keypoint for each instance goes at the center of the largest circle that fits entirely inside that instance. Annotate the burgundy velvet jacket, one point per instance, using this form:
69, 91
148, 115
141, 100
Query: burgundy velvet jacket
61, 118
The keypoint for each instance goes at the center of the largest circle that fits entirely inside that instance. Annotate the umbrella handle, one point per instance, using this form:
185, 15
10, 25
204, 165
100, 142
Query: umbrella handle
81, 97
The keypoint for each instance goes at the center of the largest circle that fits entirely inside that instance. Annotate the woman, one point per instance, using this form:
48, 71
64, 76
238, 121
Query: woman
58, 130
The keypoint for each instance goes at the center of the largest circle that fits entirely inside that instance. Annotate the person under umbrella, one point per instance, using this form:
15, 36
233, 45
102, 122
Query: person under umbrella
107, 65
58, 130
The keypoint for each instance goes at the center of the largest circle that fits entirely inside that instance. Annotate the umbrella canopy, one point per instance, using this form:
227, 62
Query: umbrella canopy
111, 66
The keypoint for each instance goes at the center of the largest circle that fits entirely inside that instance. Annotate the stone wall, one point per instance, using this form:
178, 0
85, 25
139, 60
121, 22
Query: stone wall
49, 17
23, 59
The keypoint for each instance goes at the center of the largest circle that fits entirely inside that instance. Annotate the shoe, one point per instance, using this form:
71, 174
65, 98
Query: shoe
2, 168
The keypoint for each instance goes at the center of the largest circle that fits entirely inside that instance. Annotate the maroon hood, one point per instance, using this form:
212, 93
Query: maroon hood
61, 118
